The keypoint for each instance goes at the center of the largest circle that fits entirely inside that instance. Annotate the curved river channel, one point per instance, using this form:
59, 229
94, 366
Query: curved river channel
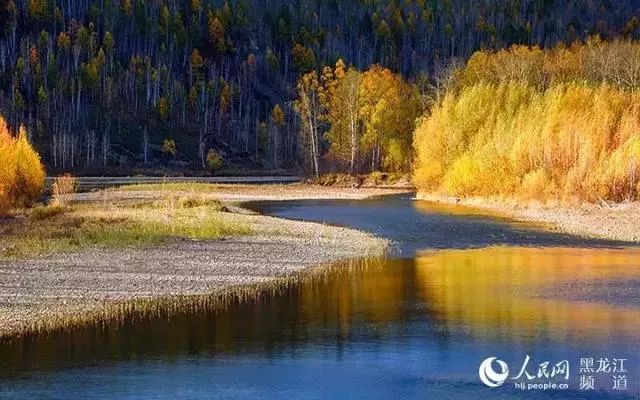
458, 288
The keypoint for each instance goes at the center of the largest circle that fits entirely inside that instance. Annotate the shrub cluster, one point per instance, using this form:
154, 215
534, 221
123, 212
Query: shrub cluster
568, 141
21, 172
556, 123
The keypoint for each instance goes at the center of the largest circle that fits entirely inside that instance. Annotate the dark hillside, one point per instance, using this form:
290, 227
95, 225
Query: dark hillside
99, 84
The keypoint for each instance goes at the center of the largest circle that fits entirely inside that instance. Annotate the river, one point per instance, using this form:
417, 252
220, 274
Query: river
458, 287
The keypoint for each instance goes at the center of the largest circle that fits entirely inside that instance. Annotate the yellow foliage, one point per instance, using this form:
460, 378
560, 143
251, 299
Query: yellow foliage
63, 189
29, 172
461, 177
388, 110
536, 184
370, 117
592, 62
21, 172
214, 160
568, 141
518, 64
7, 168
169, 147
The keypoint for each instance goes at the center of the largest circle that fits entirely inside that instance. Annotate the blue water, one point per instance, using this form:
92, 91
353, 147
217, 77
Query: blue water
416, 225
414, 326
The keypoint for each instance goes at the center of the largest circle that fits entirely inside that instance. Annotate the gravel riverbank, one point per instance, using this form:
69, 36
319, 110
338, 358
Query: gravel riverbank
63, 290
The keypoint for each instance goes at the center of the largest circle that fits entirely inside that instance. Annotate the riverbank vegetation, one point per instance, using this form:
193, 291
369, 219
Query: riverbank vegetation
115, 223
373, 180
21, 172
561, 123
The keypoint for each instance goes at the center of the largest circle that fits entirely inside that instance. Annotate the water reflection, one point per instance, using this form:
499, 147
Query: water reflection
415, 327
535, 294
441, 312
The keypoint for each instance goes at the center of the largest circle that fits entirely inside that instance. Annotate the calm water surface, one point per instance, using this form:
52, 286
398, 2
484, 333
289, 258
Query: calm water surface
459, 287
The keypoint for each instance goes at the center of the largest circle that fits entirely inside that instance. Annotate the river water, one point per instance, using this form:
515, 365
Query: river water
458, 287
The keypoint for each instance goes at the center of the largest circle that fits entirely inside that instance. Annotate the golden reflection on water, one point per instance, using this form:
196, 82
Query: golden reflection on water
429, 207
363, 290
559, 293
432, 207
515, 295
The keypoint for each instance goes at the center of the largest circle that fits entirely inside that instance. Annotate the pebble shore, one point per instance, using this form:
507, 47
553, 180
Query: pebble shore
64, 290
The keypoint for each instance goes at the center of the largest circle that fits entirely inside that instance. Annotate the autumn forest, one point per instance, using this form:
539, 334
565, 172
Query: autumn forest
325, 86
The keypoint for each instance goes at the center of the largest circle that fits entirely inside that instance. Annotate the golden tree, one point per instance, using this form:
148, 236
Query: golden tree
21, 172
7, 168
30, 174
388, 110
343, 92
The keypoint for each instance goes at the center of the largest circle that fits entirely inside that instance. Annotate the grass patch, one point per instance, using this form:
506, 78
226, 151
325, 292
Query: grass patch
75, 234
191, 187
46, 212
117, 224
194, 202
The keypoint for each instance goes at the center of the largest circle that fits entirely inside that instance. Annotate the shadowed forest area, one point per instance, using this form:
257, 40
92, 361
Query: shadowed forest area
189, 85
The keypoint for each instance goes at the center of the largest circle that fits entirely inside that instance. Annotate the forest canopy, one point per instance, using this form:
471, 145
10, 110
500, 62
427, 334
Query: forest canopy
99, 84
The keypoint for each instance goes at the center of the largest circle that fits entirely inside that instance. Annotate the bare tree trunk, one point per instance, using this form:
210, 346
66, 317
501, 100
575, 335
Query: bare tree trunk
145, 146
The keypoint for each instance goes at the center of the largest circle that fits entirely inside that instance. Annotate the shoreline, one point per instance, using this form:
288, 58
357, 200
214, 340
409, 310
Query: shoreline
93, 285
66, 290
617, 221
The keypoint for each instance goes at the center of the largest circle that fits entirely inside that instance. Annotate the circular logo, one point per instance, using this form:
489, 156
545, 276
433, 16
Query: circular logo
491, 377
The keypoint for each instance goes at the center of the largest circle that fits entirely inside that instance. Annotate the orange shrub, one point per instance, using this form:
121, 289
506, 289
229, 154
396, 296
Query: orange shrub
29, 172
21, 172
7, 168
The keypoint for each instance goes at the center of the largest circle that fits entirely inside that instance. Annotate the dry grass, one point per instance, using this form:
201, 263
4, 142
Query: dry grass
328, 188
46, 212
119, 223
63, 189
188, 187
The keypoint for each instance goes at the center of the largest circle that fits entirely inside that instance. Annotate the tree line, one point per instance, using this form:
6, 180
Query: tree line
103, 83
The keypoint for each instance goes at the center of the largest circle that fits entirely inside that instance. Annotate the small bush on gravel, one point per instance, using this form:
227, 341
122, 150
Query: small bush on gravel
63, 189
